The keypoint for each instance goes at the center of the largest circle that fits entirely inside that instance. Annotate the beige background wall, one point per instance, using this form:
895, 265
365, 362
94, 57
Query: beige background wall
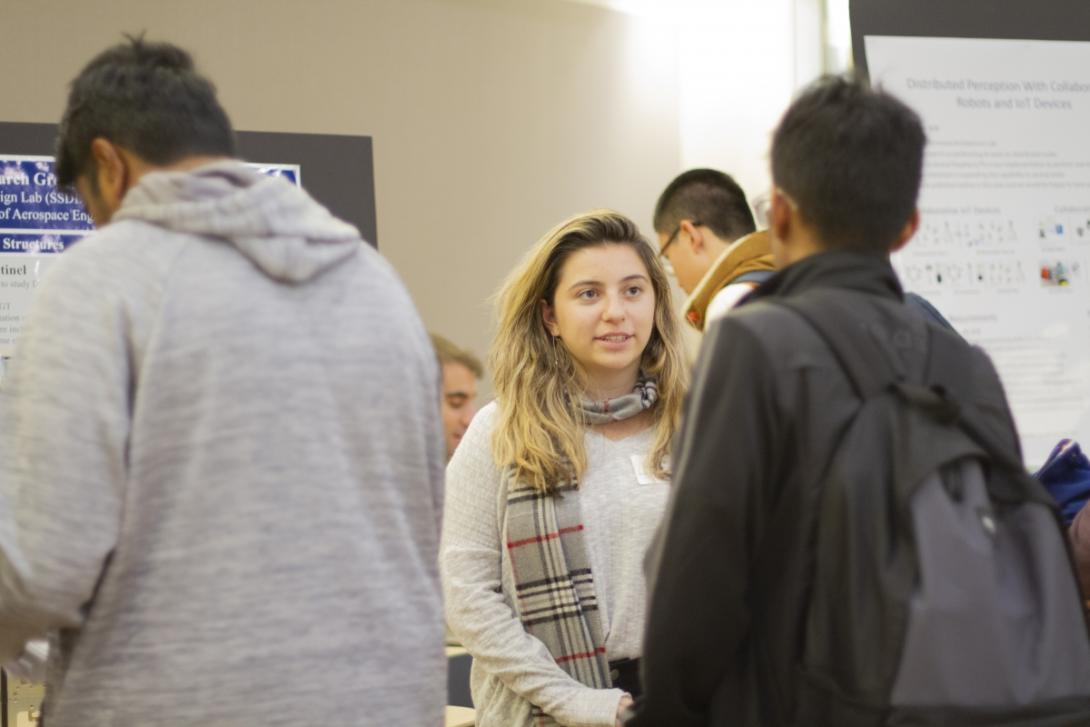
491, 119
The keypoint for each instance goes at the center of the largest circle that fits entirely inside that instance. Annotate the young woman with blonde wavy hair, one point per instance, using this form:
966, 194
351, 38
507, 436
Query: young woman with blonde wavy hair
558, 486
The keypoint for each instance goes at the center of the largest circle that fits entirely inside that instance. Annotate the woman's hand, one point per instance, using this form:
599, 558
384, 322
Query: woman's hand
622, 707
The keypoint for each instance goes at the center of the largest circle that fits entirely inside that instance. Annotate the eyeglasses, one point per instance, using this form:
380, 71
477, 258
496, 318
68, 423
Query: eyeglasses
670, 241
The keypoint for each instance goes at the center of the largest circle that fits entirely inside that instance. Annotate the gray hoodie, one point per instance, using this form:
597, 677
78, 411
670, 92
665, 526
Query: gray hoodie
221, 470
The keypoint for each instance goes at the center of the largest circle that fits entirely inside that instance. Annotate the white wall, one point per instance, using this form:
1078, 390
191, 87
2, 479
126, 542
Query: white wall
491, 119
741, 61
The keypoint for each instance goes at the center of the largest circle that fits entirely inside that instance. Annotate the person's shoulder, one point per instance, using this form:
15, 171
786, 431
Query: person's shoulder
725, 300
125, 243
486, 415
977, 375
479, 433
758, 312
377, 264
109, 260
767, 337
384, 283
89, 248
472, 457
765, 322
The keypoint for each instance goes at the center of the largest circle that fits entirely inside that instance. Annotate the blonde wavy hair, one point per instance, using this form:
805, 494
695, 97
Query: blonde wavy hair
538, 437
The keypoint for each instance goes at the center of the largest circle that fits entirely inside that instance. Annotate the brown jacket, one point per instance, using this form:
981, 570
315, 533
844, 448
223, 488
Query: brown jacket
744, 255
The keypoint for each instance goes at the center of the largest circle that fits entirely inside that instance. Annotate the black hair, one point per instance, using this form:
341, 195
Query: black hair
147, 98
851, 158
709, 197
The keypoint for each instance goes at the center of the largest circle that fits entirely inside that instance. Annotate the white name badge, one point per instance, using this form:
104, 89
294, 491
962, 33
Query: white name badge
644, 475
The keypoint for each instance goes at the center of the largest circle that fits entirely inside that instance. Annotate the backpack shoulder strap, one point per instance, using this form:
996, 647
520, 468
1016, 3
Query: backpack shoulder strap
844, 332
862, 346
950, 374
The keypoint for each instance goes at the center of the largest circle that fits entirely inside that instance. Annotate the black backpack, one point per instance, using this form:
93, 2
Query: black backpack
943, 588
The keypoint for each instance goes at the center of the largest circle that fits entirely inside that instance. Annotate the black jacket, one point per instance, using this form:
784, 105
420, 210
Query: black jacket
730, 573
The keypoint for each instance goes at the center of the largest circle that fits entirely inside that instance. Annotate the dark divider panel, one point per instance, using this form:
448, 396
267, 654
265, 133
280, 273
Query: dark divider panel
336, 170
1009, 19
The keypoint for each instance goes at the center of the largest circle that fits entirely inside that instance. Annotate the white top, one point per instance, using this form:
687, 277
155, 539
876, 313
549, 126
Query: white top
722, 302
621, 507
621, 510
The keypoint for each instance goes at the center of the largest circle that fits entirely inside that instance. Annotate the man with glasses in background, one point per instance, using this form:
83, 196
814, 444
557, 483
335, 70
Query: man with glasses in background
706, 236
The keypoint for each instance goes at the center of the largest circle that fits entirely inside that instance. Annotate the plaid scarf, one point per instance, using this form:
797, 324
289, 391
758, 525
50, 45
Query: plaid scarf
642, 397
554, 585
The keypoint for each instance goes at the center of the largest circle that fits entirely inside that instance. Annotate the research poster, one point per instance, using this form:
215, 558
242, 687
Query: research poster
37, 222
1003, 247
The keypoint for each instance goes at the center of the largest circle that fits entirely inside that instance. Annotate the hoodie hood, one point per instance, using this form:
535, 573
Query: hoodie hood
275, 224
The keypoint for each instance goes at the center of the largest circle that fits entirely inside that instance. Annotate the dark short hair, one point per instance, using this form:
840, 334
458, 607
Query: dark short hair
147, 98
851, 157
708, 196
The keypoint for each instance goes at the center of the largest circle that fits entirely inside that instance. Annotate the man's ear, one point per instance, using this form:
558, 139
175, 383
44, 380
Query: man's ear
111, 169
907, 231
548, 317
779, 215
696, 237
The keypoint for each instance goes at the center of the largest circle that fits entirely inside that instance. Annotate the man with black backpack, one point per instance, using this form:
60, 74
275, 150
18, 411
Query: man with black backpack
853, 539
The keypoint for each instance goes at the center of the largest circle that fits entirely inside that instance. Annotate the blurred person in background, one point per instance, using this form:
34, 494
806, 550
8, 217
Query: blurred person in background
461, 372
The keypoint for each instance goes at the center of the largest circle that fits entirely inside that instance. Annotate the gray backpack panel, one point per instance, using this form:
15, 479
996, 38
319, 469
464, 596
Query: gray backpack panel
995, 619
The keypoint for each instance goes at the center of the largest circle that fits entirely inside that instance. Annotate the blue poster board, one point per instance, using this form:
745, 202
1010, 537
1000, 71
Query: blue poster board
35, 217
37, 221
290, 172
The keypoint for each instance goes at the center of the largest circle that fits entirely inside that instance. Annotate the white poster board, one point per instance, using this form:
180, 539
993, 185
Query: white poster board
1003, 248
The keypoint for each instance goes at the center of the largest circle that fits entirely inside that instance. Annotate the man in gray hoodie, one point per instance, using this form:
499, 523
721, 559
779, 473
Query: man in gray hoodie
221, 472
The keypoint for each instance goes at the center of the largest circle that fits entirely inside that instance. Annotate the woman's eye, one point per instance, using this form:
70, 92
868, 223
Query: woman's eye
588, 294
635, 290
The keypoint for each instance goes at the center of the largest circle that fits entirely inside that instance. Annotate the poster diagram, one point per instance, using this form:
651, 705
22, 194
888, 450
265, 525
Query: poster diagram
37, 222
1004, 239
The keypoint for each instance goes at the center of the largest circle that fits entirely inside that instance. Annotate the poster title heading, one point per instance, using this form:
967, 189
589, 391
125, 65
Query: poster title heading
1031, 94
